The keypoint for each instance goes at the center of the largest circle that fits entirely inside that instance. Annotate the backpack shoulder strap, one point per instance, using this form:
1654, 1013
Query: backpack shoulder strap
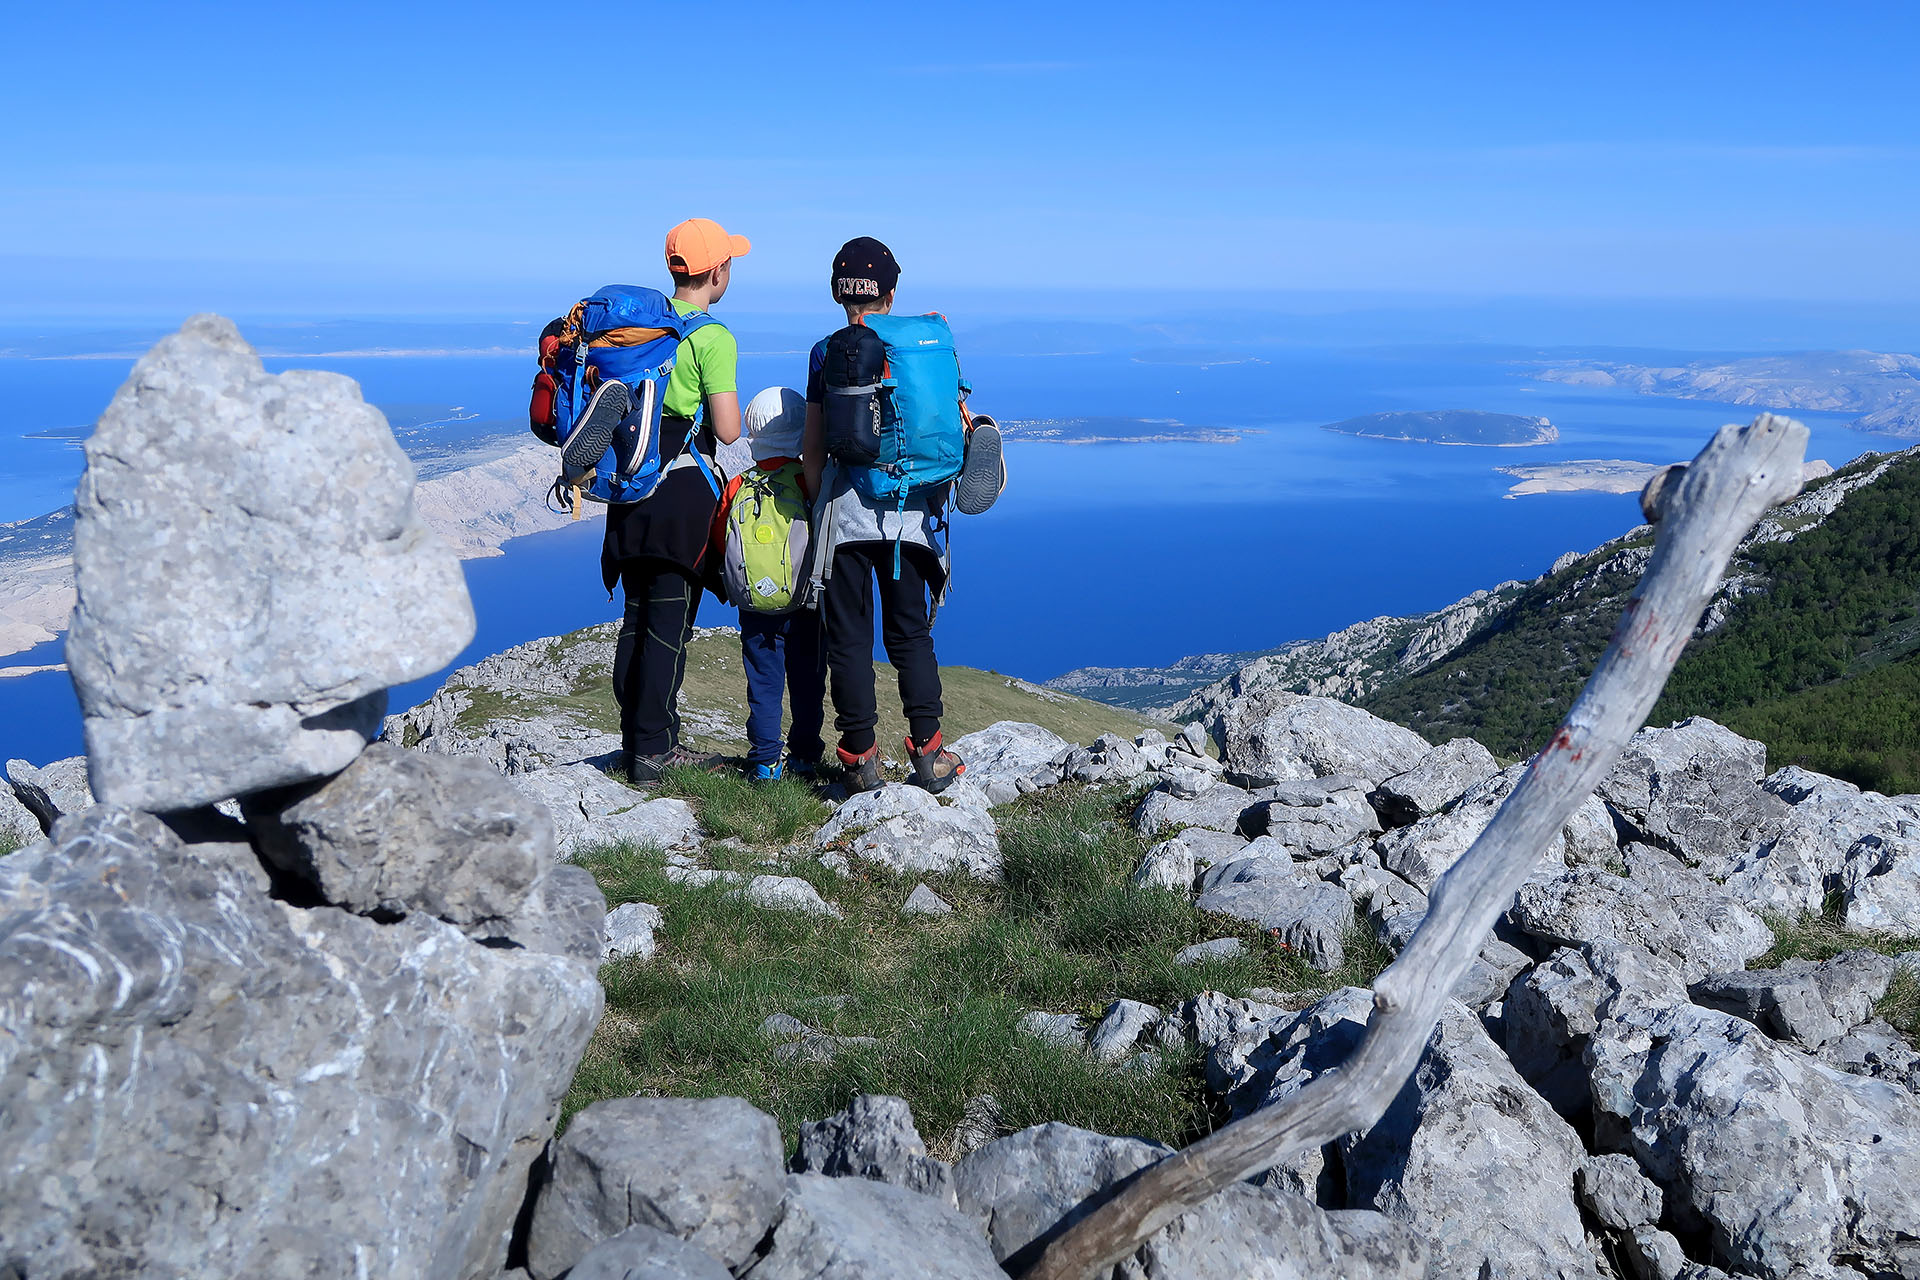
690, 325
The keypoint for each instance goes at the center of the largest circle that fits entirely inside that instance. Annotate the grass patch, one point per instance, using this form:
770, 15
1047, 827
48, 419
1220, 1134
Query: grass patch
1064, 932
731, 806
8, 844
1823, 936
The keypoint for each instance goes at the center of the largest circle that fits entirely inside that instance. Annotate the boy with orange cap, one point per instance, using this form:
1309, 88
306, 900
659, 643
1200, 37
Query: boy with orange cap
656, 549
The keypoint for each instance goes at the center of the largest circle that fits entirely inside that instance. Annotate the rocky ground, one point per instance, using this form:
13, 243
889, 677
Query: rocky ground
283, 1001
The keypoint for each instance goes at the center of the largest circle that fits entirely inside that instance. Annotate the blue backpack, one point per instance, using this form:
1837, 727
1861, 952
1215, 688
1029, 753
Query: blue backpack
626, 332
895, 416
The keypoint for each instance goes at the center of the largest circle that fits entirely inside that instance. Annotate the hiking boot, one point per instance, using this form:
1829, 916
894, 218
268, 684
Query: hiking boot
863, 770
644, 771
983, 473
580, 452
802, 767
934, 767
765, 772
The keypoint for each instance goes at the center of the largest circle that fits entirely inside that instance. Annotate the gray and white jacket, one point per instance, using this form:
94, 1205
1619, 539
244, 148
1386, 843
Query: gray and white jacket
846, 517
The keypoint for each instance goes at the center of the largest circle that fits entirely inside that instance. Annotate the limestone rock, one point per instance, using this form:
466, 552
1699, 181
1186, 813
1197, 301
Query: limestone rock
1167, 865
1876, 1048
705, 1170
1613, 1189
1212, 949
19, 825
1550, 1015
788, 893
1028, 1187
904, 829
399, 831
701, 877
216, 496
1218, 809
204, 1080
1442, 775
1492, 972
1190, 784
591, 810
1882, 880
1423, 852
854, 1229
1694, 789
1268, 1233
1002, 754
629, 930
49, 793
1277, 737
1314, 817
1467, 1156
644, 1253
1685, 920
1120, 1028
873, 1138
1211, 1017
1311, 916
1653, 1254
1110, 759
925, 902
1055, 1028
1809, 1005
1782, 1162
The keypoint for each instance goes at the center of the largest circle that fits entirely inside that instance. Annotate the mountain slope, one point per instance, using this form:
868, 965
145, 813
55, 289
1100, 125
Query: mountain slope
1822, 593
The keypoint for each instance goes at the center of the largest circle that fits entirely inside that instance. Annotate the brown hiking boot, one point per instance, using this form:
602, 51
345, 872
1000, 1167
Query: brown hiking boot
934, 767
644, 771
863, 771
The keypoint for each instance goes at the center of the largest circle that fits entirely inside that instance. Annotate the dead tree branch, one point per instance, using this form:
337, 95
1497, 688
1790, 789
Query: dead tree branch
1702, 511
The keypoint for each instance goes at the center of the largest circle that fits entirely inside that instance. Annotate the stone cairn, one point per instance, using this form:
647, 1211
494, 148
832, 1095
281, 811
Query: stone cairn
282, 1004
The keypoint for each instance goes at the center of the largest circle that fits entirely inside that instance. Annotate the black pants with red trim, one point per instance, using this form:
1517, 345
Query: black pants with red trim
846, 612
650, 658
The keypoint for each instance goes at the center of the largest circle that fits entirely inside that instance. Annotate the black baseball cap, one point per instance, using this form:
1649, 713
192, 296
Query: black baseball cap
863, 270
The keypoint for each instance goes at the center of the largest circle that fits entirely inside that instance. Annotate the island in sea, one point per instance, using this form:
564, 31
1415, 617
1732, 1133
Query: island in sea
1609, 475
1883, 388
1451, 426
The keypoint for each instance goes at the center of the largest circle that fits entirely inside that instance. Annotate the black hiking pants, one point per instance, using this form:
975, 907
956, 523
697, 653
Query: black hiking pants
846, 613
651, 656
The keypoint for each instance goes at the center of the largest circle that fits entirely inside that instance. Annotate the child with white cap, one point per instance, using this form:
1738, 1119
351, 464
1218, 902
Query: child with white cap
763, 530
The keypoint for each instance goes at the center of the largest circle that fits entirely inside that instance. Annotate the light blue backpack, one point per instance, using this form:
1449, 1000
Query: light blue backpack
923, 435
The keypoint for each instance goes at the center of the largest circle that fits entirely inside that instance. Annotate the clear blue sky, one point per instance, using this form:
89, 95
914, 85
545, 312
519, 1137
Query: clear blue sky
481, 158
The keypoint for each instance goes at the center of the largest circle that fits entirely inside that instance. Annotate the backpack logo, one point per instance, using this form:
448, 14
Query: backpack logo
767, 587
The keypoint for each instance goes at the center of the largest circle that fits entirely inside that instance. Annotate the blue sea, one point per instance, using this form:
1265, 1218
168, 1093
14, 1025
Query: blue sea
1107, 554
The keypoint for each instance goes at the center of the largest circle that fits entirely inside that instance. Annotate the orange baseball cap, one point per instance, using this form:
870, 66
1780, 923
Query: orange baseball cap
698, 245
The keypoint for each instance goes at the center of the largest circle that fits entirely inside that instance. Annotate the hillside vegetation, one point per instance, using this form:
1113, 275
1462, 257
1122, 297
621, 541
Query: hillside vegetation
1817, 659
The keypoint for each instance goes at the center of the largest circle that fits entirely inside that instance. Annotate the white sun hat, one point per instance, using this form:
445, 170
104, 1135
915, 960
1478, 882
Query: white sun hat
776, 419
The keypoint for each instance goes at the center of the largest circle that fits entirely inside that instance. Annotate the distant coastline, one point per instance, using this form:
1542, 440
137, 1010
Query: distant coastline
1884, 389
1119, 431
1470, 427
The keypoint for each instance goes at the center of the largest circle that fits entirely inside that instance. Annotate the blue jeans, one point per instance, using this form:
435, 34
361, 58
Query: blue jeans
782, 654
